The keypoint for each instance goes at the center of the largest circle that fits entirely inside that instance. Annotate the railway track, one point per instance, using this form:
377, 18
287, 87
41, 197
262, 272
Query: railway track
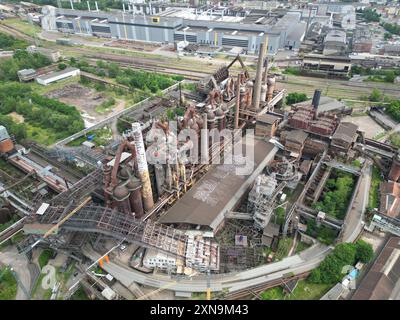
148, 66
263, 286
14, 32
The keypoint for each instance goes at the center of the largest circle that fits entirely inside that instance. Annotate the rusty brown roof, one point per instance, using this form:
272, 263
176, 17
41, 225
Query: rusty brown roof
384, 275
219, 189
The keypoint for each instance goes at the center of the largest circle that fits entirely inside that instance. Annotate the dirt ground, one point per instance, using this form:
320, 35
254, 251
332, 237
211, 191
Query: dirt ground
134, 45
366, 124
84, 98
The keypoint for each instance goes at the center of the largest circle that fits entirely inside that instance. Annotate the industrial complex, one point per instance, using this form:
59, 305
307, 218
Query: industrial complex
214, 186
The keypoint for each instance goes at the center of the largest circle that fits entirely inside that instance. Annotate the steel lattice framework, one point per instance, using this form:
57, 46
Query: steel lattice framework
121, 226
81, 189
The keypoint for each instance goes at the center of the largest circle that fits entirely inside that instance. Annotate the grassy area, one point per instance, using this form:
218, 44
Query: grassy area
304, 291
22, 26
373, 201
106, 106
80, 295
8, 285
395, 139
284, 246
379, 135
44, 257
301, 246
40, 135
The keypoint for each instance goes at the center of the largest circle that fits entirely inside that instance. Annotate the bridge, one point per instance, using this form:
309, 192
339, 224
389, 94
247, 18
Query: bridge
343, 167
385, 223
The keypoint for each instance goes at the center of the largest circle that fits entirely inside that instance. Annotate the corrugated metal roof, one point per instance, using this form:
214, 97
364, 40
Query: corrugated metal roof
219, 188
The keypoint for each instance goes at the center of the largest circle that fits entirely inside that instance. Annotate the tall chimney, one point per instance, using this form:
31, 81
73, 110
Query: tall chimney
143, 170
237, 103
260, 65
316, 98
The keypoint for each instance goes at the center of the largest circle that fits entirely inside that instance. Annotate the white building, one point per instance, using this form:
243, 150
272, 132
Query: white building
58, 75
158, 259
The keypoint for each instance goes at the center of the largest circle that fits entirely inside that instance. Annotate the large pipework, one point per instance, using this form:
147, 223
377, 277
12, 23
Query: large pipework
143, 170
271, 87
135, 197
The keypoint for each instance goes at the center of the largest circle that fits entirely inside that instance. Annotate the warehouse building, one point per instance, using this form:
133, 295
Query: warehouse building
58, 75
216, 28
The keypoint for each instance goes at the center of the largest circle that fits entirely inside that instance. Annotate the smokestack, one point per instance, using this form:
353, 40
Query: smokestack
143, 170
237, 103
316, 98
88, 5
97, 7
260, 65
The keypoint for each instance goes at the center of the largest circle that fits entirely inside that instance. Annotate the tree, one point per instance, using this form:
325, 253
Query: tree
364, 251
370, 15
62, 66
295, 97
375, 95
390, 76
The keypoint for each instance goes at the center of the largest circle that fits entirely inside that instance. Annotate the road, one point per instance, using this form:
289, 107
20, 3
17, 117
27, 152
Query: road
353, 222
19, 263
305, 261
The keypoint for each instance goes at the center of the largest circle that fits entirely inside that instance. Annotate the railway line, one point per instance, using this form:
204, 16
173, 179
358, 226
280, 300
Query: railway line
256, 289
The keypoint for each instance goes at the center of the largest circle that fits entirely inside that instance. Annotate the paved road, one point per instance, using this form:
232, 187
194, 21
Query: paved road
19, 263
353, 222
305, 261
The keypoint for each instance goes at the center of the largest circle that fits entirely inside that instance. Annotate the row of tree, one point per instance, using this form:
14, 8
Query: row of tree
392, 28
334, 266
369, 15
146, 81
385, 75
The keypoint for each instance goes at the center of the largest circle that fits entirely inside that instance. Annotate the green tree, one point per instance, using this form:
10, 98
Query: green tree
364, 251
375, 95
295, 97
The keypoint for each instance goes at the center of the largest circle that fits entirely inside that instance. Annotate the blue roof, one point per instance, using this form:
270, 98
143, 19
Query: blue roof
353, 273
